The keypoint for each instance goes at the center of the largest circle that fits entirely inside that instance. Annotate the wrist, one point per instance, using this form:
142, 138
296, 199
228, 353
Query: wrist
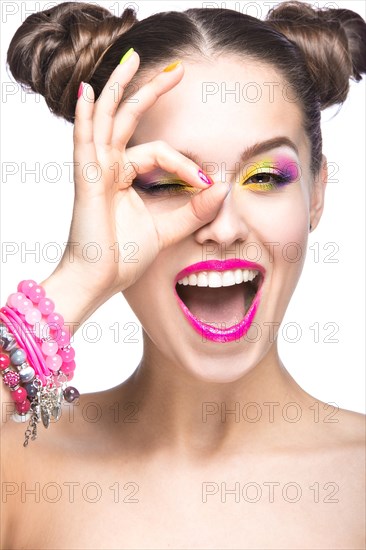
73, 299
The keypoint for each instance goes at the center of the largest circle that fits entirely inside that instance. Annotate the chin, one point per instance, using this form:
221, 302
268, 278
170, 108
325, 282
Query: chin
209, 362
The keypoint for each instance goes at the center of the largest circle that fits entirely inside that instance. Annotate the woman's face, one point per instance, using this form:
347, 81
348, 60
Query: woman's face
224, 113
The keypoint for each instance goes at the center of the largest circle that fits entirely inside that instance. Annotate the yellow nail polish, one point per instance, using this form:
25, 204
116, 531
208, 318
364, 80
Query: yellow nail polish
127, 56
172, 66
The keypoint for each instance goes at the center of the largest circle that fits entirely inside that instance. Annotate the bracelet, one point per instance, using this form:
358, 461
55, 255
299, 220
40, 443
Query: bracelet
14, 323
36, 367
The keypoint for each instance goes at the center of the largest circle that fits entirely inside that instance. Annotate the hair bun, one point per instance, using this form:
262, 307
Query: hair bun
333, 42
54, 50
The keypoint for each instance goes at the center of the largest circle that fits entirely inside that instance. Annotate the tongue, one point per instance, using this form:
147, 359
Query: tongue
222, 307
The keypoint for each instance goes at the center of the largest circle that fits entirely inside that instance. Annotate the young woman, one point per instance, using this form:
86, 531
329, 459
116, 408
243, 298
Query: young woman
207, 200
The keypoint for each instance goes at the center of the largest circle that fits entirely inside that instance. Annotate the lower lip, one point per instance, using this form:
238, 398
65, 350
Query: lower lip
215, 334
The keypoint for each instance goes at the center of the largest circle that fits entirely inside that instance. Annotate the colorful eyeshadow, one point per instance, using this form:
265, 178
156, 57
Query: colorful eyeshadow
280, 169
163, 185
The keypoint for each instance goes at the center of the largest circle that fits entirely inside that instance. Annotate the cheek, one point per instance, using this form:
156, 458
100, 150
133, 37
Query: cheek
284, 236
279, 220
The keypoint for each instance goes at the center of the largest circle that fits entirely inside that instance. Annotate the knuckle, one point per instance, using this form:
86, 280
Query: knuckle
136, 115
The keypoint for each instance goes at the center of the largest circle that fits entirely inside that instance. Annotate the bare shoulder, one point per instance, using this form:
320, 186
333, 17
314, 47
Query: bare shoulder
343, 443
351, 427
341, 430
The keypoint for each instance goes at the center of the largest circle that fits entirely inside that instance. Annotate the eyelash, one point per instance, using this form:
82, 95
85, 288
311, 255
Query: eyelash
281, 179
159, 188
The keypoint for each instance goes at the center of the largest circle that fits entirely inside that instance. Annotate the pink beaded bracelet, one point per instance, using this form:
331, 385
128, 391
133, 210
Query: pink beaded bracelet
12, 328
15, 326
41, 365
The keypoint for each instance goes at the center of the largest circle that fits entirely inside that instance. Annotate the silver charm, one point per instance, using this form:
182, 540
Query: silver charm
45, 417
56, 411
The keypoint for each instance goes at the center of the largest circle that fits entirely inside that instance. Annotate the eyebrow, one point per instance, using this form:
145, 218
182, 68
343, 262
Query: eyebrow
252, 150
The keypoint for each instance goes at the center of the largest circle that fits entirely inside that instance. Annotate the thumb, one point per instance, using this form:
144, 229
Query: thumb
173, 226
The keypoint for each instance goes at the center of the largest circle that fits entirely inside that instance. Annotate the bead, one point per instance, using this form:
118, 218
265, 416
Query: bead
70, 375
63, 338
70, 394
24, 305
41, 330
10, 298
30, 389
67, 354
56, 319
49, 348
15, 298
21, 417
33, 316
4, 361
46, 306
17, 356
3, 329
69, 367
36, 293
8, 342
25, 286
19, 287
19, 395
23, 407
53, 362
26, 374
11, 378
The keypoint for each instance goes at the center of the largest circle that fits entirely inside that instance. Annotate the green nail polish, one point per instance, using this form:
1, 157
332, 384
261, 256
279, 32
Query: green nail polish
127, 56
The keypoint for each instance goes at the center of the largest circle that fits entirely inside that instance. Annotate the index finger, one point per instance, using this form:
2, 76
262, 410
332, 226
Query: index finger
109, 100
130, 111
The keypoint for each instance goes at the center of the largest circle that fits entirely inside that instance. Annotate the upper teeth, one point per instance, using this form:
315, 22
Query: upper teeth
215, 279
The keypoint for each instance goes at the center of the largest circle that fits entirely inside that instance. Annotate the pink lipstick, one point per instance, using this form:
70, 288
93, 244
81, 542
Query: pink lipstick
237, 280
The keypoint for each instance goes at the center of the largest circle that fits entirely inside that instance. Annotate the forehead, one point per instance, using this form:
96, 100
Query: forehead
222, 106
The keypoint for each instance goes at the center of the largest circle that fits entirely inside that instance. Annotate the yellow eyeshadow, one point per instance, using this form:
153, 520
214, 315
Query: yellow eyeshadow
182, 185
263, 187
258, 167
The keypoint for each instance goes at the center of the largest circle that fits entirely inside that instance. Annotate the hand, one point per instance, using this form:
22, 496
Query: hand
107, 210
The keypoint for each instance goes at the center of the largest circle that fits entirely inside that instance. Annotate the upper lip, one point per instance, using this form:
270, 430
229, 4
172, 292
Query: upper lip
218, 265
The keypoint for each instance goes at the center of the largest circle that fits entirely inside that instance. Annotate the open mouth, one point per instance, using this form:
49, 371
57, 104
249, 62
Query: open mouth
220, 303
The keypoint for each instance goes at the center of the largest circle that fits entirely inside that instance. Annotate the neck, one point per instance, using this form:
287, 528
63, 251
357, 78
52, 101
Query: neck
196, 417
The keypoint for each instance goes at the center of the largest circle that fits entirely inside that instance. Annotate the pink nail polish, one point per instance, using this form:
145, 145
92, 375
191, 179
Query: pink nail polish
80, 90
204, 178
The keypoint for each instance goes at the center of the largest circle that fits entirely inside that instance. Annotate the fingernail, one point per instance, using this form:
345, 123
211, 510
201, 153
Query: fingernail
126, 56
80, 90
204, 178
172, 66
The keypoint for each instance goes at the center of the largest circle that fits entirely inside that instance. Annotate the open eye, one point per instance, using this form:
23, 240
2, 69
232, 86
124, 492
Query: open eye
267, 181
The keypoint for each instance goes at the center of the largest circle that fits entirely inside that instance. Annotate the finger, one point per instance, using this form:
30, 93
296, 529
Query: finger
159, 154
84, 147
132, 109
109, 99
173, 226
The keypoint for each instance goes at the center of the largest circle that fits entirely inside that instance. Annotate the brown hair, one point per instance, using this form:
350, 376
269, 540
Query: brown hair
316, 51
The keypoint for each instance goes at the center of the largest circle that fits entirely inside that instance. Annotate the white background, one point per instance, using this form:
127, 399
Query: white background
36, 210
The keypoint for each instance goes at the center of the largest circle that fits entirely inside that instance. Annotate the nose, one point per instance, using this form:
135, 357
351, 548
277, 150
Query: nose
229, 228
